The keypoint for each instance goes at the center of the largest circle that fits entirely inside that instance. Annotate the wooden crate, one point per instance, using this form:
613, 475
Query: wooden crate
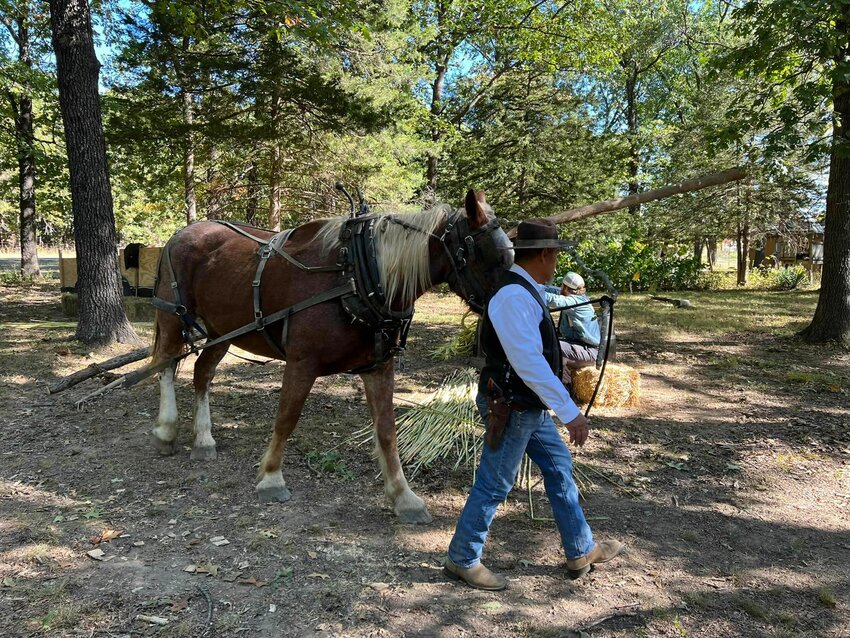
142, 277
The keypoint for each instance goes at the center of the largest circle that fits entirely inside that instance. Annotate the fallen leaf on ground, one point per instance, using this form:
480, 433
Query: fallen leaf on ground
105, 536
253, 581
317, 575
179, 605
96, 554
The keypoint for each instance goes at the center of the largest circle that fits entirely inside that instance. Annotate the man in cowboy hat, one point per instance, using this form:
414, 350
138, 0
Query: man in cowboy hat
519, 384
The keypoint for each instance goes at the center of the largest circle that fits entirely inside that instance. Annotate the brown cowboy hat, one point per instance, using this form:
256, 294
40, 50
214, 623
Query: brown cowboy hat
539, 233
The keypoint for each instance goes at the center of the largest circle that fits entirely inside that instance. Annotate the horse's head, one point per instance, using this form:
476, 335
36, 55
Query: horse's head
479, 249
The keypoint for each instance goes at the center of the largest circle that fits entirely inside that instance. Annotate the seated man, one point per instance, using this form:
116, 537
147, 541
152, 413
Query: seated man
579, 329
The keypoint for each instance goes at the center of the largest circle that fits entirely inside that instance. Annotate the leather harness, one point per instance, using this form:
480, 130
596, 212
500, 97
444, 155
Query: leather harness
359, 288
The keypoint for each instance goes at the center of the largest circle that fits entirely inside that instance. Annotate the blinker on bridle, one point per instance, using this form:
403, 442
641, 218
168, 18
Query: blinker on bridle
457, 232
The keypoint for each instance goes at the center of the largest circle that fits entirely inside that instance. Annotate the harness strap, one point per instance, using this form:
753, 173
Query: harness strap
260, 322
333, 293
276, 243
242, 231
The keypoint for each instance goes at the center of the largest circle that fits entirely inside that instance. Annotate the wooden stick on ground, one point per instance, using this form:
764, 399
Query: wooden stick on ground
98, 368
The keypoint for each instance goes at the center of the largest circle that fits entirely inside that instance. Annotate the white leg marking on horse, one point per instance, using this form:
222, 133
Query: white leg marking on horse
406, 505
204, 446
166, 429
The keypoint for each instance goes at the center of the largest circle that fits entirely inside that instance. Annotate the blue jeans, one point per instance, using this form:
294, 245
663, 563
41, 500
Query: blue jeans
532, 432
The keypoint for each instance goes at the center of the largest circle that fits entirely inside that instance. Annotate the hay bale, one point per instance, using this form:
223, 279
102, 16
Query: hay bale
139, 309
620, 386
70, 304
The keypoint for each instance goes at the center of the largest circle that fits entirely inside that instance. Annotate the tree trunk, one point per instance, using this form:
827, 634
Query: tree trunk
274, 164
274, 186
215, 188
187, 99
632, 128
189, 159
698, 243
743, 251
253, 204
711, 244
436, 133
26, 155
832, 315
102, 319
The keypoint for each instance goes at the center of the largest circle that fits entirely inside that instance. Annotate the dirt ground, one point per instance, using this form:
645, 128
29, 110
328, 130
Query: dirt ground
730, 484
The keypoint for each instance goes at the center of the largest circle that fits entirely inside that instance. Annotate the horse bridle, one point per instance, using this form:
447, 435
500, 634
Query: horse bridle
463, 248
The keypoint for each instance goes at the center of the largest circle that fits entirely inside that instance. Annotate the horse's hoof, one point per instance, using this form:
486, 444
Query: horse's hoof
165, 448
203, 453
273, 494
415, 517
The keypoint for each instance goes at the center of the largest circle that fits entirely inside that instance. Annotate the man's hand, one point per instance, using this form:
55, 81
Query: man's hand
578, 428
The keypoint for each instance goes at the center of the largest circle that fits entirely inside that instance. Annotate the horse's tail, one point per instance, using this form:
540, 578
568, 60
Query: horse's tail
155, 342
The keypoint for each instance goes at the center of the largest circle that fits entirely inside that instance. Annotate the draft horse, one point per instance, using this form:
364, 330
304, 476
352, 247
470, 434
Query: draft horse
345, 288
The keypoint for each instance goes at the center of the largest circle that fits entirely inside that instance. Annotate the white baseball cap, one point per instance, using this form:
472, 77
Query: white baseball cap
573, 281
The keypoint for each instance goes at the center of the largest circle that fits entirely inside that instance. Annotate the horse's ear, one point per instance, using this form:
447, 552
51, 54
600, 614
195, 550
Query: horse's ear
474, 211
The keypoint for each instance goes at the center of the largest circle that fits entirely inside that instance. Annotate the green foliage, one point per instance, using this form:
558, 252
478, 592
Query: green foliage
789, 278
331, 463
635, 265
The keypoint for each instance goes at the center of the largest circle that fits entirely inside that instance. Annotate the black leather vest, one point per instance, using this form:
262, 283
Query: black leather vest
496, 364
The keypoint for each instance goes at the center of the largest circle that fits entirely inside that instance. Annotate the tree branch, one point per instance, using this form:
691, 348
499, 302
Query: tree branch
8, 24
686, 186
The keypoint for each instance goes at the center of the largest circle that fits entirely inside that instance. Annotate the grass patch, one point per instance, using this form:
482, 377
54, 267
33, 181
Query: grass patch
787, 618
822, 380
696, 600
690, 536
789, 461
753, 608
720, 312
64, 616
826, 597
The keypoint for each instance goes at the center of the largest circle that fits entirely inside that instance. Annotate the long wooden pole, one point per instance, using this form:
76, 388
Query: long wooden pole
98, 368
685, 186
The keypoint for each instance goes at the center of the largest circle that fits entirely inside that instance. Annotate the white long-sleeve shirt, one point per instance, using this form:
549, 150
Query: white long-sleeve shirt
516, 317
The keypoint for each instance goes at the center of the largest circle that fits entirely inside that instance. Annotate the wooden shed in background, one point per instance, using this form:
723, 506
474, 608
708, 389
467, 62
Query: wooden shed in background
797, 242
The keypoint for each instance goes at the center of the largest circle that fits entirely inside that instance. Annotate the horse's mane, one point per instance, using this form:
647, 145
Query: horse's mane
402, 252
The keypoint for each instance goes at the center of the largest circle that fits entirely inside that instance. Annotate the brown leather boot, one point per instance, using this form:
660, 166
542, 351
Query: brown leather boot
476, 576
601, 553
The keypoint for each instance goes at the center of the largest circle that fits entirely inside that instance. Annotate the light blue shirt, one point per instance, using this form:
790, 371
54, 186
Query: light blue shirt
577, 324
515, 316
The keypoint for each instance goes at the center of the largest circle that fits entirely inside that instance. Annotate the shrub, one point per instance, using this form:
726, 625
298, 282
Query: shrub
790, 278
633, 264
777, 278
